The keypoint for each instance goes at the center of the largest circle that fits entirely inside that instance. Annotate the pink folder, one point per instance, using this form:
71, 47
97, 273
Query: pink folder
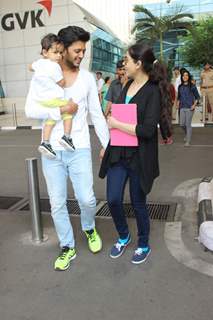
126, 113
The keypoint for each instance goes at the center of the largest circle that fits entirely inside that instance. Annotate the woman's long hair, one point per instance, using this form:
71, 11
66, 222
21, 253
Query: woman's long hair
157, 73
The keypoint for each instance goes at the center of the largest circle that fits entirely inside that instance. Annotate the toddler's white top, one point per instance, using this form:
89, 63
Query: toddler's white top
44, 82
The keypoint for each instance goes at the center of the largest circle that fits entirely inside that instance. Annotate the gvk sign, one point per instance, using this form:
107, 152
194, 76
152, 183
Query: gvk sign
33, 18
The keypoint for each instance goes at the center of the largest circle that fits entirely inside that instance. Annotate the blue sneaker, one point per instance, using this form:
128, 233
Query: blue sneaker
119, 247
140, 255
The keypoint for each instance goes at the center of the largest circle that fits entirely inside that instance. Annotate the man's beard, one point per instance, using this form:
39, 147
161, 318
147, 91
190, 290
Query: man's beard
70, 64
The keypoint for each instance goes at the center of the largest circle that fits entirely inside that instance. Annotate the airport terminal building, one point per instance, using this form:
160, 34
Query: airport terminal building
25, 22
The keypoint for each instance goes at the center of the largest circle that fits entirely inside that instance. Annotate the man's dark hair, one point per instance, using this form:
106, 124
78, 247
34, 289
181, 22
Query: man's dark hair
71, 34
176, 68
99, 72
120, 64
106, 79
48, 40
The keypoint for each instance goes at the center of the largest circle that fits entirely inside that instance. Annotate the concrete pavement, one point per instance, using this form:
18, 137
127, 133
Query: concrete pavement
166, 286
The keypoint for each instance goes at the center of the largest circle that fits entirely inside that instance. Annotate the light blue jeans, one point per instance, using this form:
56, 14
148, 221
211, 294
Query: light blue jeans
77, 166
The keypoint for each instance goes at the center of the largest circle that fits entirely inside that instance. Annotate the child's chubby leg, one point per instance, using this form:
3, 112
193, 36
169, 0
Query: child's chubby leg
45, 147
47, 130
67, 125
66, 140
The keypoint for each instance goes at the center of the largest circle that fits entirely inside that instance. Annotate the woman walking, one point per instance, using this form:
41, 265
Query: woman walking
187, 99
149, 90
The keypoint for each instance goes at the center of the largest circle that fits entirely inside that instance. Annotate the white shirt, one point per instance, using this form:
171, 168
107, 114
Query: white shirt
84, 93
177, 82
100, 83
44, 81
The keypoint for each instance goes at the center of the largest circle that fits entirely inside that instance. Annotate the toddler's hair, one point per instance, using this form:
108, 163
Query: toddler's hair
48, 40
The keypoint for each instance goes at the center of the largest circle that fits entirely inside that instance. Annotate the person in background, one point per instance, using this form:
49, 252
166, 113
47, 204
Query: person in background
176, 78
176, 81
115, 87
149, 90
187, 99
116, 76
100, 83
206, 86
104, 91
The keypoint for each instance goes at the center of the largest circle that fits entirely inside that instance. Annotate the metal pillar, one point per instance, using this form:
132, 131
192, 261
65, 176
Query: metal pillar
15, 122
34, 199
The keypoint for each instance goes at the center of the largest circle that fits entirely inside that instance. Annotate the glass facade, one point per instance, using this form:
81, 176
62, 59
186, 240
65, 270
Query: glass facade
106, 51
196, 7
172, 40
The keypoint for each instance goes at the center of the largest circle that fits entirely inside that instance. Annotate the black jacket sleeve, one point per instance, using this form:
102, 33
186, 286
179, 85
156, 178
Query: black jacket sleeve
147, 129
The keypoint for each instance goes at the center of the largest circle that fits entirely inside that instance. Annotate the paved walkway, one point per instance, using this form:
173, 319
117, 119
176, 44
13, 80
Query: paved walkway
175, 283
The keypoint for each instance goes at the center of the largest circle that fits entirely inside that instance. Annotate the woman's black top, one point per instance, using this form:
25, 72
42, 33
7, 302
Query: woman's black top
144, 158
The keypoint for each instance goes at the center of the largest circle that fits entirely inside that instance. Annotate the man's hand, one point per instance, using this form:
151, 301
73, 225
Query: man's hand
108, 109
101, 154
71, 108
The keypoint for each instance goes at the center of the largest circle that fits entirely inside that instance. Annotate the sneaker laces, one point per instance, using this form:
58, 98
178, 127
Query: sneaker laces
92, 236
139, 251
118, 245
48, 145
63, 253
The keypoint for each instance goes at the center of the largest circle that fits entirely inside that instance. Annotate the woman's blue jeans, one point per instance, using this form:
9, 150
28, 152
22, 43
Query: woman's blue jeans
117, 177
77, 166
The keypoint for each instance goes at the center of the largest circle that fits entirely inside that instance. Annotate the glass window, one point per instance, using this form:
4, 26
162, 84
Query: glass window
172, 42
106, 51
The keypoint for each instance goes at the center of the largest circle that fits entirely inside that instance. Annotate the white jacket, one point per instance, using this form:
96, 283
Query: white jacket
84, 93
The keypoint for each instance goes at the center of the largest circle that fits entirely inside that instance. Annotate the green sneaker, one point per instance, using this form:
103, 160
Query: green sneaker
94, 240
67, 254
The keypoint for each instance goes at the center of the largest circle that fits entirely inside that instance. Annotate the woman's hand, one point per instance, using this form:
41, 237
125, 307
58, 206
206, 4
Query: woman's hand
71, 108
125, 127
112, 122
